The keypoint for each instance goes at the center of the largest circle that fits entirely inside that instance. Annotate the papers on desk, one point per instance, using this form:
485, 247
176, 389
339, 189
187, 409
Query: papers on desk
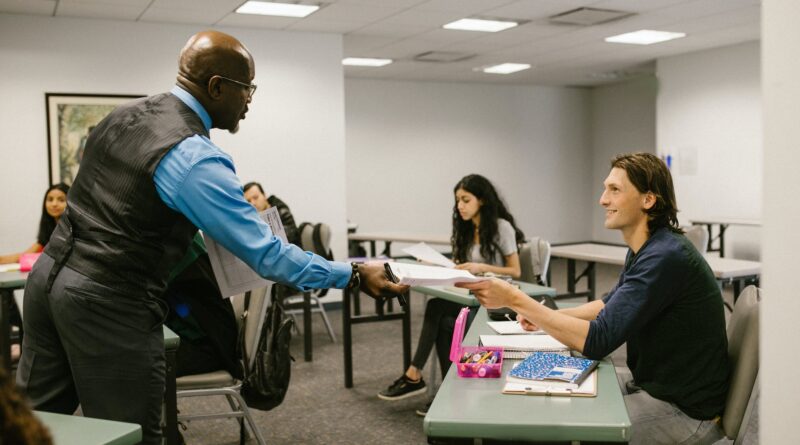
421, 275
587, 389
233, 275
512, 328
13, 267
428, 254
521, 346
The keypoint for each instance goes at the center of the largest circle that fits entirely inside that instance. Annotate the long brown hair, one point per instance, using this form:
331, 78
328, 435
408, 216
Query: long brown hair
649, 174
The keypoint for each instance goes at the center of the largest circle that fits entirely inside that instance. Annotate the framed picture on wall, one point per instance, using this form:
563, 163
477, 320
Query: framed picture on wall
70, 118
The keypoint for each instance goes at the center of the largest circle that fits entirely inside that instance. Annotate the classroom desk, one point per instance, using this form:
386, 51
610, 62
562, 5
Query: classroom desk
74, 430
723, 224
476, 408
348, 319
9, 282
726, 270
389, 237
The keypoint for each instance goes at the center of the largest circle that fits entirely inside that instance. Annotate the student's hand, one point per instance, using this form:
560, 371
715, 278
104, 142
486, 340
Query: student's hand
492, 293
473, 268
375, 282
527, 325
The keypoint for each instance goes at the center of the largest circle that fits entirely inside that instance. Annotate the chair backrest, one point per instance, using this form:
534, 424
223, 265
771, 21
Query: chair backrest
256, 317
534, 259
698, 236
319, 244
743, 356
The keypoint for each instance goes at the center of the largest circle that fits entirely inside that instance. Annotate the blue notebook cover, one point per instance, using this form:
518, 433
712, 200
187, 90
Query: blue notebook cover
553, 369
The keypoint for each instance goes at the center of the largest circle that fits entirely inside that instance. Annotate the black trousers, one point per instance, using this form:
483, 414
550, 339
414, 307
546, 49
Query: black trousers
437, 329
92, 345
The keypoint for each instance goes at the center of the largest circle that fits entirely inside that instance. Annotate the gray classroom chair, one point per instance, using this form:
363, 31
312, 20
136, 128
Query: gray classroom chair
221, 382
294, 301
534, 259
698, 235
743, 356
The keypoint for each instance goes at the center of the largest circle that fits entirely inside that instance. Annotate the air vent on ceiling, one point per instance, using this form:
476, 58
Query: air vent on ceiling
442, 56
588, 16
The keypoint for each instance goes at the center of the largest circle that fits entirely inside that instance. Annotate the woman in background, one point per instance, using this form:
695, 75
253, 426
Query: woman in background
53, 206
484, 240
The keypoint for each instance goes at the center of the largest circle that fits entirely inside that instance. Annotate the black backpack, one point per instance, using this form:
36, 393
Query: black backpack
267, 380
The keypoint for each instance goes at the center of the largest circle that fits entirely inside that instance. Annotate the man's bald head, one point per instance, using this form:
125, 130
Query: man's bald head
212, 52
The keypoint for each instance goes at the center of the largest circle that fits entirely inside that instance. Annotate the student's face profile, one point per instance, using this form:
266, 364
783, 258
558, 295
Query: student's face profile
468, 204
624, 204
55, 203
257, 199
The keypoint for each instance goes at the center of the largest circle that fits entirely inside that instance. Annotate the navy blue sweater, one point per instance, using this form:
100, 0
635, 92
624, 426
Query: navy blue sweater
668, 308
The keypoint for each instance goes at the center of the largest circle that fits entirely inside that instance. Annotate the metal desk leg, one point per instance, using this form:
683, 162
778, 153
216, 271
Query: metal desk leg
407, 332
722, 228
6, 297
372, 248
347, 336
171, 398
710, 247
307, 344
571, 276
591, 268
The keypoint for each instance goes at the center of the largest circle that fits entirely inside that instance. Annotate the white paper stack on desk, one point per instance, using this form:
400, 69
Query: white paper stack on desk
520, 346
421, 275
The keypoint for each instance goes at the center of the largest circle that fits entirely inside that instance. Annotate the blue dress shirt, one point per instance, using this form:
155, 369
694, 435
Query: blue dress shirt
197, 179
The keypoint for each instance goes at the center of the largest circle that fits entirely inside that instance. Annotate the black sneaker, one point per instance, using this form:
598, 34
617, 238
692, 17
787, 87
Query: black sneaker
402, 388
422, 412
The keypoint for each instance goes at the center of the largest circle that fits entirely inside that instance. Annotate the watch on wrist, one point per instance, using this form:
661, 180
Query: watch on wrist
355, 278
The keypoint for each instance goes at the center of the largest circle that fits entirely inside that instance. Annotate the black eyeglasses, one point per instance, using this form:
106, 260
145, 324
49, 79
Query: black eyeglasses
250, 86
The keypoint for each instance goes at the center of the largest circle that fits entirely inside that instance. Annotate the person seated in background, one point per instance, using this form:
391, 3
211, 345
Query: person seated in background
53, 205
484, 239
666, 306
201, 317
254, 194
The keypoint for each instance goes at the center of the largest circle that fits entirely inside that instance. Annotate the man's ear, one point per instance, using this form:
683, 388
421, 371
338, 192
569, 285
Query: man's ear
214, 88
649, 200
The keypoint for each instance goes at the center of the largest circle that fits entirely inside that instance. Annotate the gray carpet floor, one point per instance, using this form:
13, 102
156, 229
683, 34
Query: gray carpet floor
318, 409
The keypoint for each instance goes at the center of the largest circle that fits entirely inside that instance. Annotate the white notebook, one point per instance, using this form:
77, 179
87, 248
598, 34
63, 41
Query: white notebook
512, 328
520, 346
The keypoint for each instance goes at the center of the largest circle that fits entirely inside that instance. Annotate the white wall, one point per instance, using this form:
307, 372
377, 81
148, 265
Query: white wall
780, 397
709, 120
623, 121
408, 144
292, 140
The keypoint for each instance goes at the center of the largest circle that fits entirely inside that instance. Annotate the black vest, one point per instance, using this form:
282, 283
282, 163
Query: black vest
117, 230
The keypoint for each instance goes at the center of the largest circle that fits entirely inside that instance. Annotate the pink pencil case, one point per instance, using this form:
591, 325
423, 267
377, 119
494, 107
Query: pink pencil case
26, 261
473, 361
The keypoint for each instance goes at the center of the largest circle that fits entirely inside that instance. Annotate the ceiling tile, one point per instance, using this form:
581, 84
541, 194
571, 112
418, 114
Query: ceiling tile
384, 29
355, 12
463, 7
257, 21
536, 10
124, 10
356, 44
418, 17
35, 7
328, 26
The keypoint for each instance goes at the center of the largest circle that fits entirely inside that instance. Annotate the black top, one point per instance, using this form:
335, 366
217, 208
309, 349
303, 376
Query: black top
669, 309
289, 226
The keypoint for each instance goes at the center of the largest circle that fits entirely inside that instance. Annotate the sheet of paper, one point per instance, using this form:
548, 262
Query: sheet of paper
13, 267
421, 275
511, 328
233, 275
428, 254
523, 342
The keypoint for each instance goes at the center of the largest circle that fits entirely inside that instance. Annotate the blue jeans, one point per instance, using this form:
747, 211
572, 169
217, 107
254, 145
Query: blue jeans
655, 421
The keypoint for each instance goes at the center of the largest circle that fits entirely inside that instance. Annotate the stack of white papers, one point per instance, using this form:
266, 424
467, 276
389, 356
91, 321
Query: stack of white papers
428, 254
512, 328
421, 275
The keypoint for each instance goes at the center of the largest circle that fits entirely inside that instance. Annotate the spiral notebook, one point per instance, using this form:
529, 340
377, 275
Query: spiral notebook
521, 346
552, 370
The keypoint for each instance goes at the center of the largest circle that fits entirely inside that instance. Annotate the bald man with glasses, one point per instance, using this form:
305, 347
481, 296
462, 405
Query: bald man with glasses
149, 179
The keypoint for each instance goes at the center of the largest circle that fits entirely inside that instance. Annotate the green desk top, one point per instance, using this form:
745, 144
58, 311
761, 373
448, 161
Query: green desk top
13, 280
76, 430
476, 408
457, 295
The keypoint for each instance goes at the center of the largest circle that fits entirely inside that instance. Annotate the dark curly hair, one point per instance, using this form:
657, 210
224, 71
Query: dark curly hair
491, 209
649, 174
47, 223
17, 423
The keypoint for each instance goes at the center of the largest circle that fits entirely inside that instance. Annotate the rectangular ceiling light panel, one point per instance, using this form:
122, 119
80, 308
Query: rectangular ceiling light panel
480, 25
645, 37
277, 9
365, 61
506, 68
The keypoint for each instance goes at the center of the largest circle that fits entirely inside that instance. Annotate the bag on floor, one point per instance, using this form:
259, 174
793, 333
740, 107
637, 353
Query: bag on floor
267, 380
